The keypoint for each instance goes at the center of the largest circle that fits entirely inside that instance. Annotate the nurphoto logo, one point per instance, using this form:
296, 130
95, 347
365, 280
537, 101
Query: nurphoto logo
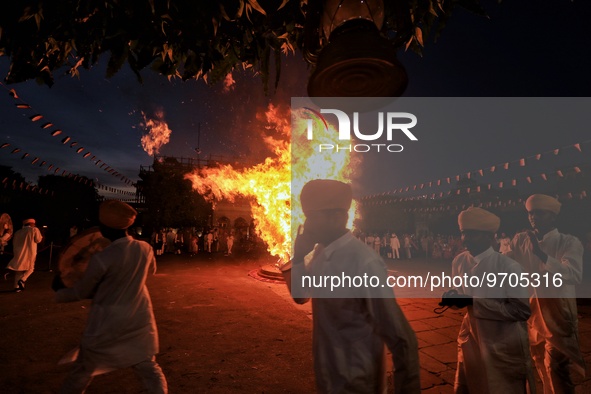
392, 124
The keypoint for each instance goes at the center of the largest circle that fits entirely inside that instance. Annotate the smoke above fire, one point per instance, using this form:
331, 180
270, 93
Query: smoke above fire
270, 185
158, 133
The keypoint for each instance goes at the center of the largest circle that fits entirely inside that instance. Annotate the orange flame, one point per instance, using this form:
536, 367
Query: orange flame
158, 134
269, 186
229, 83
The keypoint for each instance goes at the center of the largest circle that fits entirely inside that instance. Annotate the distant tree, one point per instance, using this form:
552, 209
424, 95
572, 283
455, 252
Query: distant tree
15, 199
69, 201
7, 173
8, 177
170, 200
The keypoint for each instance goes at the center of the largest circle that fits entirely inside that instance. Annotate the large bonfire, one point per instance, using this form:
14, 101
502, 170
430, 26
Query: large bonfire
273, 187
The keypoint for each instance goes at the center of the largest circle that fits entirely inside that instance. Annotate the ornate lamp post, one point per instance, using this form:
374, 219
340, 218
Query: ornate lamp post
344, 40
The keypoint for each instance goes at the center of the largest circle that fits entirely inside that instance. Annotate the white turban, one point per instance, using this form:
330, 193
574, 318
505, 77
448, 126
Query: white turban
28, 221
321, 194
116, 214
478, 219
544, 202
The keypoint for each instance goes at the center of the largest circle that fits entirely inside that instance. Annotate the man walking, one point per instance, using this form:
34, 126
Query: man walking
25, 252
553, 326
395, 245
230, 243
350, 326
493, 352
121, 330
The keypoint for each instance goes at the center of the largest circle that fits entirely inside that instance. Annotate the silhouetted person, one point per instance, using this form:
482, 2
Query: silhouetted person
349, 332
553, 326
493, 351
24, 245
121, 330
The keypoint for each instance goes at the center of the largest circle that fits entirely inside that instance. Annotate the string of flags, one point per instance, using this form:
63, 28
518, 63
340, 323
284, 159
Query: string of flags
379, 199
490, 204
19, 185
15, 184
385, 200
41, 163
25, 186
100, 186
441, 205
65, 140
544, 176
63, 172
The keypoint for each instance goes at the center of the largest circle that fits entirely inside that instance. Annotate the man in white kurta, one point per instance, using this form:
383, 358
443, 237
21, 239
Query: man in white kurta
377, 243
351, 327
493, 351
230, 243
395, 245
25, 252
553, 326
209, 240
121, 330
407, 246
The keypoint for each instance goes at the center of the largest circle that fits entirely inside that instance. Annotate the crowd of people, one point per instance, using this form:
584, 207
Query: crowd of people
504, 337
193, 241
407, 246
508, 332
431, 246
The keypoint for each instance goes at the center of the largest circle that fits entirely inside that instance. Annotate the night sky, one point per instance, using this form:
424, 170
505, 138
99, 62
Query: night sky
527, 48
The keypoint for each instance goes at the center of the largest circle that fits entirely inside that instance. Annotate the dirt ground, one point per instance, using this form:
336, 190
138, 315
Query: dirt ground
220, 331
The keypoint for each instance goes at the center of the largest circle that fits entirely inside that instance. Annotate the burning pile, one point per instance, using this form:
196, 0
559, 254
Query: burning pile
269, 186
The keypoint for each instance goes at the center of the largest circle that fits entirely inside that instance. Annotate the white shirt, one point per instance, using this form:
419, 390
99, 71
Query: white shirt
565, 257
349, 333
394, 243
554, 309
121, 329
492, 343
25, 248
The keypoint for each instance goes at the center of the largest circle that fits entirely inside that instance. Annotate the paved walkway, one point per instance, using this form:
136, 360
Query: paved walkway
437, 333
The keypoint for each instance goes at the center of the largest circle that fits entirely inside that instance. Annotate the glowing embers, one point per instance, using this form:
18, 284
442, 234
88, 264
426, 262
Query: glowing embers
158, 133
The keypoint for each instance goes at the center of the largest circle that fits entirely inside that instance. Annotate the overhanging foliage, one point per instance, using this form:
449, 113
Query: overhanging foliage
184, 39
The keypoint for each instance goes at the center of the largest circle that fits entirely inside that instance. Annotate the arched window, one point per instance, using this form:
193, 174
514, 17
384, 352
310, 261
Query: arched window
224, 222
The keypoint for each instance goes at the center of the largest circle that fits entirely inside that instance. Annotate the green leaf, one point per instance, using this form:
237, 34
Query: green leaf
408, 43
419, 36
240, 9
223, 13
254, 4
